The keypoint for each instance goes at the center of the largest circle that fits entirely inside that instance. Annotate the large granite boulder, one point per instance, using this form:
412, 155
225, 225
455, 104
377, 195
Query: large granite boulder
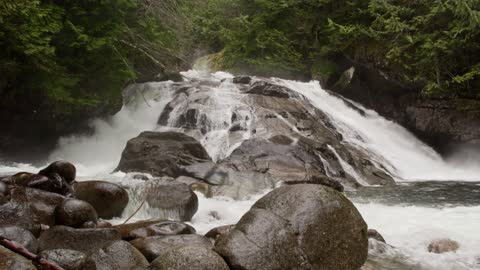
68, 259
74, 213
161, 153
169, 199
108, 199
65, 169
298, 227
189, 257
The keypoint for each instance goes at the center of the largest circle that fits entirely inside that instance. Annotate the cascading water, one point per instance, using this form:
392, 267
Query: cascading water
409, 227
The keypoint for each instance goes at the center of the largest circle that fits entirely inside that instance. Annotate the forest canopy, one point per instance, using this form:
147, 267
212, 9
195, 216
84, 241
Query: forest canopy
83, 52
435, 43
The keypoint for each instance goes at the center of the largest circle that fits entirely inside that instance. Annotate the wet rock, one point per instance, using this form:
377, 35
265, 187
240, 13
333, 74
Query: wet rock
443, 245
4, 193
215, 233
281, 139
152, 247
189, 257
161, 153
108, 199
10, 260
140, 177
162, 229
28, 207
84, 240
374, 234
242, 79
171, 200
226, 181
126, 229
21, 236
119, 255
74, 213
320, 180
68, 259
63, 168
272, 90
297, 227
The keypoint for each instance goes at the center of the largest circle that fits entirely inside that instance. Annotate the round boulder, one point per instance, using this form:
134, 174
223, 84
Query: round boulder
189, 257
68, 259
298, 227
20, 236
154, 246
74, 213
63, 168
215, 233
172, 200
119, 255
108, 199
161, 229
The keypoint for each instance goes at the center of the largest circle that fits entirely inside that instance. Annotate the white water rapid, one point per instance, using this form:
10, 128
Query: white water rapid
408, 227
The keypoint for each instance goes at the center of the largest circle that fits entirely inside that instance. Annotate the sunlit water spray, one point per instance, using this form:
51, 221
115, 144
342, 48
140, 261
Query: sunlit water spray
407, 227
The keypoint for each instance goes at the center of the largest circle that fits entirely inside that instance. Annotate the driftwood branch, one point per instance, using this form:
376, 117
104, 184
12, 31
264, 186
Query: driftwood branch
27, 254
136, 211
143, 51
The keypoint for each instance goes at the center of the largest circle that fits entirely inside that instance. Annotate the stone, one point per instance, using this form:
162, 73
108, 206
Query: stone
152, 247
68, 259
301, 226
171, 200
63, 168
272, 90
84, 240
320, 180
161, 153
118, 255
443, 245
13, 261
215, 233
74, 213
28, 207
162, 229
189, 257
108, 199
21, 236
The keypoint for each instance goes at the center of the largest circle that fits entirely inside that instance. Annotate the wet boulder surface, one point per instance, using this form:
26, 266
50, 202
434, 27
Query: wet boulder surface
108, 199
189, 257
297, 227
161, 153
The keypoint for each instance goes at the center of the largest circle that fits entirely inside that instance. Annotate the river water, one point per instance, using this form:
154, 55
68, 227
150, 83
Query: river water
434, 198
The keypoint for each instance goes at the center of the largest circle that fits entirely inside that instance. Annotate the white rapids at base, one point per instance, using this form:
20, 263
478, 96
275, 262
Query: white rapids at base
409, 228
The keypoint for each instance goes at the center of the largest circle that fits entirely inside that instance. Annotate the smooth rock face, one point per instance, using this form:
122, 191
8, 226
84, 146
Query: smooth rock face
443, 245
119, 255
63, 168
12, 261
84, 240
162, 229
272, 90
372, 233
108, 199
27, 207
154, 246
172, 200
298, 227
127, 229
161, 153
189, 257
55, 183
21, 236
74, 213
68, 259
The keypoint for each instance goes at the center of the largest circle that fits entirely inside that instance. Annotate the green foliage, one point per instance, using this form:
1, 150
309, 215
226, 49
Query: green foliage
430, 42
78, 53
